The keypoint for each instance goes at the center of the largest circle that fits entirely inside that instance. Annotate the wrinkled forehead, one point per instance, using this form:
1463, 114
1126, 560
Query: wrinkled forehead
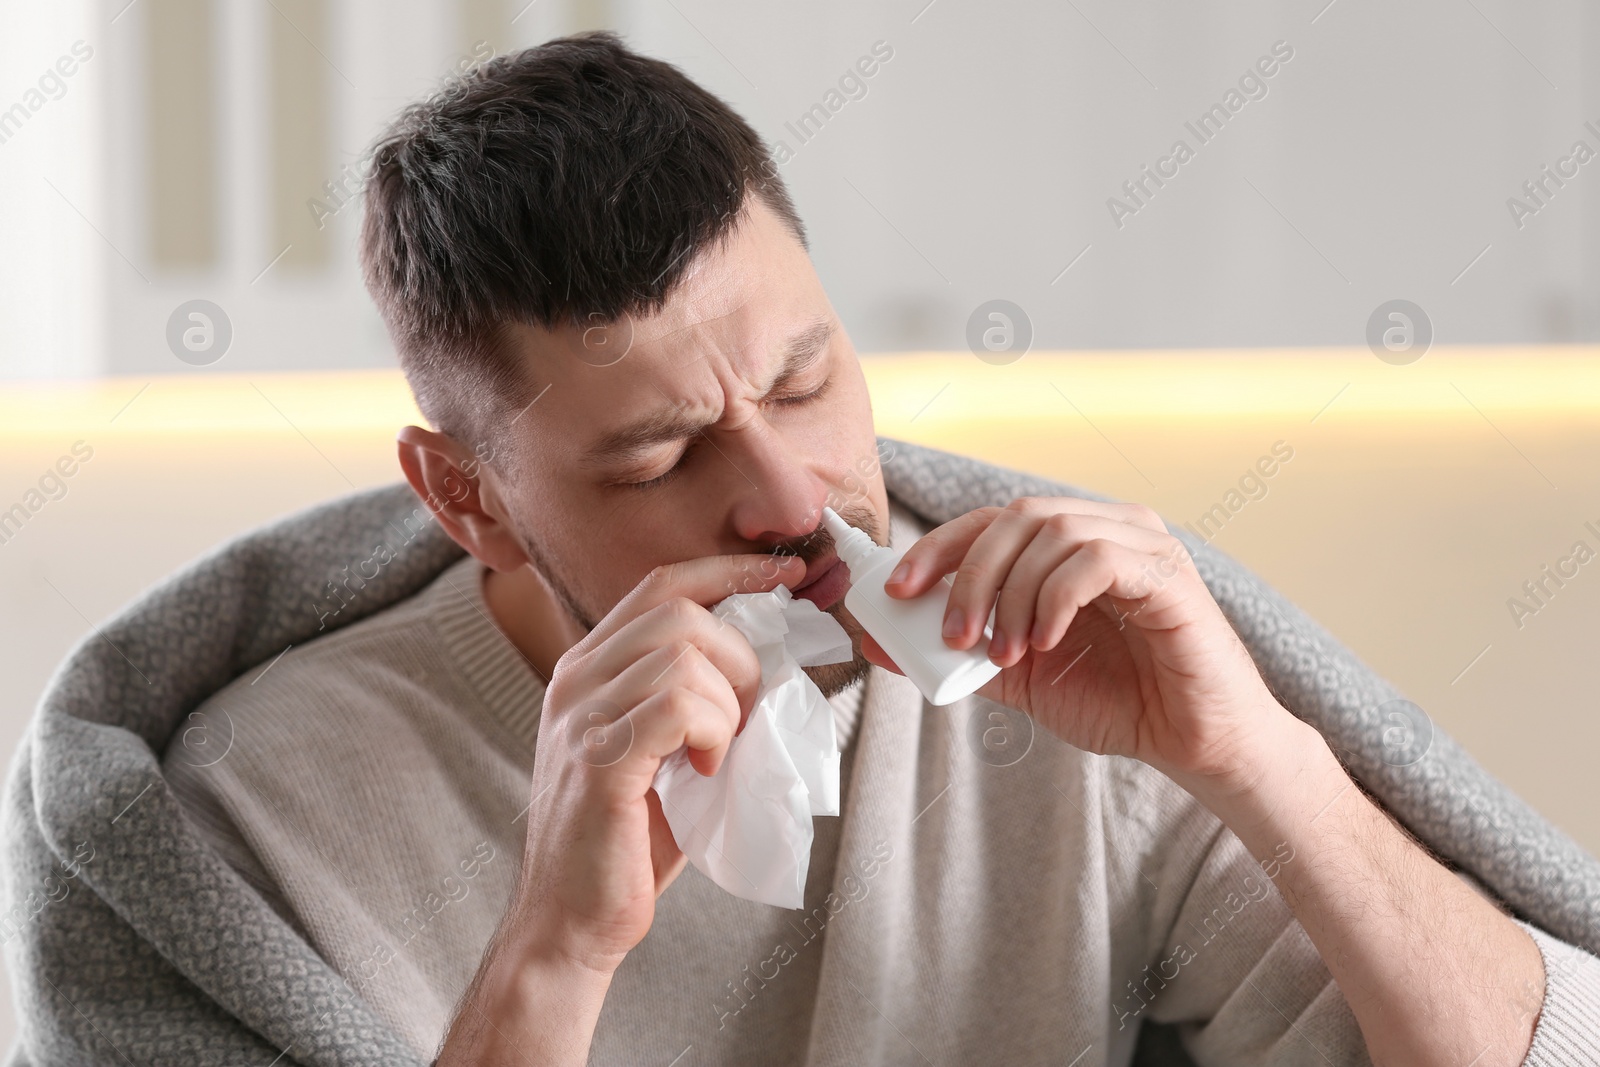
597, 376
736, 300
728, 319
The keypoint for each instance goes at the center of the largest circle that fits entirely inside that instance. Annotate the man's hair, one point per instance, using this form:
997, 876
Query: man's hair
567, 184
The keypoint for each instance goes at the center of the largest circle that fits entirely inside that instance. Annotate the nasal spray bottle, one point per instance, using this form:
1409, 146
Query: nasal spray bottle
909, 630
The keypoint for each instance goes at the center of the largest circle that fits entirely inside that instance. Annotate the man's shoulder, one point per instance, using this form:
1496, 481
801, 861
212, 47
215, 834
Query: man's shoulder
941, 485
905, 524
365, 677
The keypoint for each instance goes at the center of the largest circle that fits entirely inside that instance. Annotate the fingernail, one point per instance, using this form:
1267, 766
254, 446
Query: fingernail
899, 574
998, 646
955, 623
1036, 637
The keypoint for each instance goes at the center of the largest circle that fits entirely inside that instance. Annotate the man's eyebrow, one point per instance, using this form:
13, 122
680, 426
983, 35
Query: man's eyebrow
800, 352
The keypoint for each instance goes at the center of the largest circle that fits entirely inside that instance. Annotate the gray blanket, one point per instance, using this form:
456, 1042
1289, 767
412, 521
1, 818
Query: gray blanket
129, 941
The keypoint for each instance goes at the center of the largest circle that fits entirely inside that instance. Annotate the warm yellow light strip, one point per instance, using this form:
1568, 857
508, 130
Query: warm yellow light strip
1221, 385
927, 389
221, 404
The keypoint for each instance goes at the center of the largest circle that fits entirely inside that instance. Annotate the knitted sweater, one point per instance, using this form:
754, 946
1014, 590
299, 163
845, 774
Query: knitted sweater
350, 822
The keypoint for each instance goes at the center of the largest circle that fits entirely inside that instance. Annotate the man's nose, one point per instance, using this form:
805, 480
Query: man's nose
780, 498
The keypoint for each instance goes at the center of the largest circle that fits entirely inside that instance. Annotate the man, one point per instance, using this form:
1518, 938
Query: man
641, 400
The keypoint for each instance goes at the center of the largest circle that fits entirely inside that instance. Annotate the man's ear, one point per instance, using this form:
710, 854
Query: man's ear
450, 481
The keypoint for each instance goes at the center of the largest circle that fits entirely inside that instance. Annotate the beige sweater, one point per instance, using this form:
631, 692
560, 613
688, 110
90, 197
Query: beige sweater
989, 894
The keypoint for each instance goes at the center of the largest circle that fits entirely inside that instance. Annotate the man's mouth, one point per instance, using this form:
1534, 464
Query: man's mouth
827, 579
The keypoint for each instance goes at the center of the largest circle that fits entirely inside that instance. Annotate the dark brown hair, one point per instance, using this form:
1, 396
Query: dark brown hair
569, 183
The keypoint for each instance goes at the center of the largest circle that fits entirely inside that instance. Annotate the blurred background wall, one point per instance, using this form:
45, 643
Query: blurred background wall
1171, 315
212, 150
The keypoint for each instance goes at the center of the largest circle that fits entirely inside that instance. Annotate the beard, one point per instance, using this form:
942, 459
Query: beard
834, 677
830, 678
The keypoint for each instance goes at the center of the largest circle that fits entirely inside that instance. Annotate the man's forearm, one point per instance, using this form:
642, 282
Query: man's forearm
525, 1008
1434, 972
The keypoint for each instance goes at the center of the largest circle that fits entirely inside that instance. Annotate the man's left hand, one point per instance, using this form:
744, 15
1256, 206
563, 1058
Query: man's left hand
1154, 671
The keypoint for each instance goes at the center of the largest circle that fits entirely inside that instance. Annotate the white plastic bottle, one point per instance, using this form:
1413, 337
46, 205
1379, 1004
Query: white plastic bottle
911, 631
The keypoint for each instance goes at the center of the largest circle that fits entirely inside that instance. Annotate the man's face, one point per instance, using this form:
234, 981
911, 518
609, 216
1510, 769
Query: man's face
723, 424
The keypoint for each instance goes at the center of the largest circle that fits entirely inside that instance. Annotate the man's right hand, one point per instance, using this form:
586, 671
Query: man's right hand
659, 672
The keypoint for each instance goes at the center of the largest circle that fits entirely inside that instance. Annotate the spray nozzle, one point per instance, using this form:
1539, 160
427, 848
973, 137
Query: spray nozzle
853, 545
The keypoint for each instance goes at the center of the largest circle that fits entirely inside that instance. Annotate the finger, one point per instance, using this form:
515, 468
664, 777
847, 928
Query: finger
681, 619
666, 858
938, 552
1017, 612
874, 653
679, 664
982, 572
656, 728
704, 581
1103, 567
942, 549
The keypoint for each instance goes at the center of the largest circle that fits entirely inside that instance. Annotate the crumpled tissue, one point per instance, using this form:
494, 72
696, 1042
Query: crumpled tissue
748, 827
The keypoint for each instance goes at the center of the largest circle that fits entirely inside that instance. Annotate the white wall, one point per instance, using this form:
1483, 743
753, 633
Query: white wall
978, 165
52, 296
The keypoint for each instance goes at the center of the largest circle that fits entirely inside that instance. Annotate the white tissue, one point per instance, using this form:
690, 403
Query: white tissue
748, 827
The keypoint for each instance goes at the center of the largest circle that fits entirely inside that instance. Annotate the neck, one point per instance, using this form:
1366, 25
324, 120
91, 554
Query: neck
530, 616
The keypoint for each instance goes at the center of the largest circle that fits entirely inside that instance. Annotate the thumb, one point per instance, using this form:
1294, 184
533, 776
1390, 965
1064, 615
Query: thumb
875, 654
666, 858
